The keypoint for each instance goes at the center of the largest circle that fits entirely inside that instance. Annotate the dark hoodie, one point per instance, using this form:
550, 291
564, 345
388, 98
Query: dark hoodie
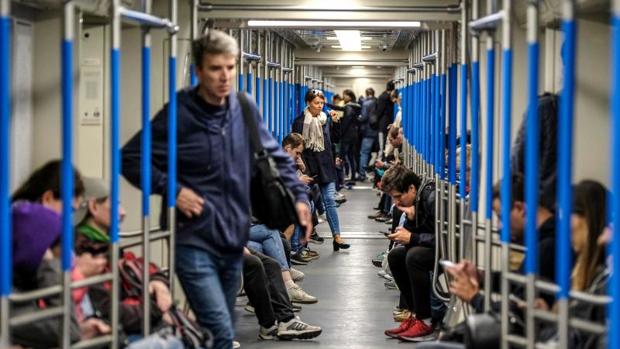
215, 161
349, 125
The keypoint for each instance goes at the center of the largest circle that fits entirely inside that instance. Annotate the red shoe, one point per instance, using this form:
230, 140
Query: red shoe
404, 326
418, 332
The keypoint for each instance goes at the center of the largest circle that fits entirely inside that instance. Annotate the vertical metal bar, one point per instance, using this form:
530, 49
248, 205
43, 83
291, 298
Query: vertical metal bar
489, 161
614, 249
115, 157
565, 170
145, 176
172, 147
276, 91
67, 167
6, 277
443, 104
475, 130
463, 167
506, 182
240, 86
259, 101
266, 79
250, 76
193, 35
531, 169
452, 129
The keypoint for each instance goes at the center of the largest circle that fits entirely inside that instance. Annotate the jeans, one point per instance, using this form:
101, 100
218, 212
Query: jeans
156, 341
328, 191
211, 284
269, 242
265, 288
365, 151
410, 268
347, 153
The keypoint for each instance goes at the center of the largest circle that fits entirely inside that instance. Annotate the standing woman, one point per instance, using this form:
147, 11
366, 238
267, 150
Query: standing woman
318, 156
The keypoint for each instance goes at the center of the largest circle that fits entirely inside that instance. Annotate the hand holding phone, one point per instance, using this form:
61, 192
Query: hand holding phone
446, 263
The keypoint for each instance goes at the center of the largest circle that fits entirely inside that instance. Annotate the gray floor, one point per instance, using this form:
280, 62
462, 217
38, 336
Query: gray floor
354, 307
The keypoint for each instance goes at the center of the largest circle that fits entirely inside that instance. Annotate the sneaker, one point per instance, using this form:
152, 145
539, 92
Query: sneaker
296, 329
418, 332
404, 326
378, 261
297, 295
298, 259
236, 345
249, 308
315, 238
390, 285
297, 275
308, 255
376, 215
296, 308
382, 219
268, 333
402, 315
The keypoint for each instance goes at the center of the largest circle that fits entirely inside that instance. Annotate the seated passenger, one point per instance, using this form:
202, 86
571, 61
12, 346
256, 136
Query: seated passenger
412, 262
267, 293
269, 242
466, 281
36, 265
92, 251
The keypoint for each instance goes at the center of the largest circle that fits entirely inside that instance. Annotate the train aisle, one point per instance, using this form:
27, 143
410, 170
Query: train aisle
354, 306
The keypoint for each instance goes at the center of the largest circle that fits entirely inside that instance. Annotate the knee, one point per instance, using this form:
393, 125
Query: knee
395, 258
271, 265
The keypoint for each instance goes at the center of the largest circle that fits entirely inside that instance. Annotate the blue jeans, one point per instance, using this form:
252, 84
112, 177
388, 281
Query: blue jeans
268, 241
328, 191
211, 283
365, 151
155, 341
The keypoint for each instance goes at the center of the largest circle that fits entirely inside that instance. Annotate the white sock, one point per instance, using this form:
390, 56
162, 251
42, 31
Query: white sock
289, 284
427, 321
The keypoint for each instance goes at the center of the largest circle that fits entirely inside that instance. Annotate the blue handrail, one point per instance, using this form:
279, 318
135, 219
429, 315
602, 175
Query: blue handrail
193, 79
145, 175
442, 116
67, 192
172, 131
565, 156
490, 130
250, 78
475, 136
6, 259
531, 161
240, 82
115, 154
506, 183
614, 248
463, 169
452, 81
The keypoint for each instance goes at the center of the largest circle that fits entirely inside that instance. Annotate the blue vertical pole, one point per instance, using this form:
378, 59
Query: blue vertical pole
67, 154
240, 81
506, 183
463, 169
258, 88
490, 128
475, 134
250, 78
565, 171
614, 248
172, 147
437, 118
193, 80
145, 177
442, 120
6, 259
266, 100
452, 85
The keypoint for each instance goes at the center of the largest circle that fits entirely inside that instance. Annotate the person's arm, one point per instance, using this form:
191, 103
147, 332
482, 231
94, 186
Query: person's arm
131, 154
336, 107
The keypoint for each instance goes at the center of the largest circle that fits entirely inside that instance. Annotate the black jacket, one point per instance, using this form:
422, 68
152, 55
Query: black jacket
369, 106
385, 109
349, 124
422, 227
320, 164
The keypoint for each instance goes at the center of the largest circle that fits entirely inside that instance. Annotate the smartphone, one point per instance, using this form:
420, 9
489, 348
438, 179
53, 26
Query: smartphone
446, 263
387, 235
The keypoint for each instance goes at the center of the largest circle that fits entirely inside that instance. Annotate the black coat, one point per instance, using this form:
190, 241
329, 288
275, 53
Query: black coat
349, 124
385, 109
320, 164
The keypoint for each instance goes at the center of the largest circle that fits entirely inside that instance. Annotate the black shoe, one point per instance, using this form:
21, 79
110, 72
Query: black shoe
298, 259
316, 239
338, 246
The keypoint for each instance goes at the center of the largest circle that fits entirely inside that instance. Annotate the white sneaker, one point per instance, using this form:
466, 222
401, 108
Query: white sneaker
297, 275
297, 295
296, 329
268, 333
236, 345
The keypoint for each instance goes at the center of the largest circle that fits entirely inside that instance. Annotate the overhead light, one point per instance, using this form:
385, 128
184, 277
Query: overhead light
336, 24
349, 39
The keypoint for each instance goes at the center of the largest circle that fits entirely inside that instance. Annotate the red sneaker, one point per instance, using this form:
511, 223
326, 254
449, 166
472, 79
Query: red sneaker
418, 332
404, 326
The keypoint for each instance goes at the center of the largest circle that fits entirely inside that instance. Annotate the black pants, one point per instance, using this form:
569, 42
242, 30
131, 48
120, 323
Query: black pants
410, 268
287, 249
349, 157
262, 280
396, 214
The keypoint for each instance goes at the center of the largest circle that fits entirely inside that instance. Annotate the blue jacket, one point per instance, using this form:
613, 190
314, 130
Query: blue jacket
369, 105
320, 164
214, 160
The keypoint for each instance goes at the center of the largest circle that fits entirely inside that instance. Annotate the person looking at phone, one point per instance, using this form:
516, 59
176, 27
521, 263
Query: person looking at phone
412, 261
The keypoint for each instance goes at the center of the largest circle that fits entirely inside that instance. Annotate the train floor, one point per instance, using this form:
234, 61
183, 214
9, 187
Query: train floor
354, 306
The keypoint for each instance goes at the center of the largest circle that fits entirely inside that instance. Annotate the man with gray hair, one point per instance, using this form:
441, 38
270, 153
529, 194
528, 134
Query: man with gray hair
215, 162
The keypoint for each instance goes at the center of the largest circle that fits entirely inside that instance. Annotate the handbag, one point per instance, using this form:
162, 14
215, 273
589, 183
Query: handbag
273, 204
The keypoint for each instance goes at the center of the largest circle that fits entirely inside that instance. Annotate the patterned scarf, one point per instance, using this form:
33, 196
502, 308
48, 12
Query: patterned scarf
313, 131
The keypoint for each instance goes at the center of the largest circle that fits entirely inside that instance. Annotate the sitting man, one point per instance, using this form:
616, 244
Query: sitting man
267, 293
413, 260
91, 248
